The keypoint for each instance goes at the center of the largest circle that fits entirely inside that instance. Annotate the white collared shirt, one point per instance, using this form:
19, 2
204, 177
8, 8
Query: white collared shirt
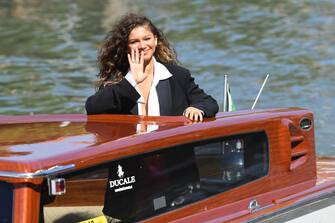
160, 73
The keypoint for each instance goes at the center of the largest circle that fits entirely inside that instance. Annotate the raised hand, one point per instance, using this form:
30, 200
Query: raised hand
194, 114
136, 63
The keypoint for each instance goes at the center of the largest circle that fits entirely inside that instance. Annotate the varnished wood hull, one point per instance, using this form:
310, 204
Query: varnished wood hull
294, 178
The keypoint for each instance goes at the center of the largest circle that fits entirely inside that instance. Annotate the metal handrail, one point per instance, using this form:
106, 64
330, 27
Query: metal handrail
39, 173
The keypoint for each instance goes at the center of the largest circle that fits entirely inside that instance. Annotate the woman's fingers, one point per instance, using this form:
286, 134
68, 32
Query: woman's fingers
194, 114
137, 56
132, 55
129, 58
142, 57
136, 63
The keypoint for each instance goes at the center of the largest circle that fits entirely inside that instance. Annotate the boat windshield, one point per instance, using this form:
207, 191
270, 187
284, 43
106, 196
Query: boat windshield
145, 185
6, 202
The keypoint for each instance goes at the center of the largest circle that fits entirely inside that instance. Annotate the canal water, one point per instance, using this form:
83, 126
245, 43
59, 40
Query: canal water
48, 52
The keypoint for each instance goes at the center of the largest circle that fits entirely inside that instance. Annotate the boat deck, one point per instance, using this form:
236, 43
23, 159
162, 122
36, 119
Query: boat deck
325, 167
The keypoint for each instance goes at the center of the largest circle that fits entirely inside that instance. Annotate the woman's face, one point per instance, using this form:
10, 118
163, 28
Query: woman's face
143, 39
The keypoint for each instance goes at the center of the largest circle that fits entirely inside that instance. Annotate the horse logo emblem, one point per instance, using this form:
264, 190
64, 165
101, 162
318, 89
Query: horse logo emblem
120, 172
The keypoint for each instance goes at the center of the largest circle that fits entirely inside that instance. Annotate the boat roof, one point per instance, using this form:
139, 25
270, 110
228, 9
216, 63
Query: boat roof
40, 142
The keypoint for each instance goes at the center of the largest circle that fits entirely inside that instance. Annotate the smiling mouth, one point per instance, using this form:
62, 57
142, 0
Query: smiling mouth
145, 52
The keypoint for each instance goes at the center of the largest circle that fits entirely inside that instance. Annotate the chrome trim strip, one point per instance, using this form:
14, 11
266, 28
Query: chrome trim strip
39, 173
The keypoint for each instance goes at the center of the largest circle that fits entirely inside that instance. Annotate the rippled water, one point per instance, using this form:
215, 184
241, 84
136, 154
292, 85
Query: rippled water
48, 52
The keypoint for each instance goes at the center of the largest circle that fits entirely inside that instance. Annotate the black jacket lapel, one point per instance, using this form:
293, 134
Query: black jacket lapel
164, 97
134, 110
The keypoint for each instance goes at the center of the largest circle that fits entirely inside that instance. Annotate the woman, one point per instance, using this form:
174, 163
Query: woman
139, 75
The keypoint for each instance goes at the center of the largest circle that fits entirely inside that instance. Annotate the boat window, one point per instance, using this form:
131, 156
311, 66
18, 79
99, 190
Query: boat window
6, 202
231, 162
139, 187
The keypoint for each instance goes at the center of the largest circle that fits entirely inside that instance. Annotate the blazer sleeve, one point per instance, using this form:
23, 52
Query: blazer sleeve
198, 98
118, 98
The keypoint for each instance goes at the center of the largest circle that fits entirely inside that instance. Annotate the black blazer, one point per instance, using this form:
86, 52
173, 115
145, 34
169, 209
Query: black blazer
175, 94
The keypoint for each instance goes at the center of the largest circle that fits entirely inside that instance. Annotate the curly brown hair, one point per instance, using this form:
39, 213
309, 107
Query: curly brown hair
112, 55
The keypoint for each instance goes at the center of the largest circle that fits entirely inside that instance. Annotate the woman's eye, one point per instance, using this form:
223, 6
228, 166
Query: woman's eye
132, 42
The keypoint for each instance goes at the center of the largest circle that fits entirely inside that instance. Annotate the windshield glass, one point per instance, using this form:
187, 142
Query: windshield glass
6, 202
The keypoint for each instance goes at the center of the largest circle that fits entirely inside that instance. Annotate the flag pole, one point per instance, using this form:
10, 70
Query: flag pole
260, 91
225, 94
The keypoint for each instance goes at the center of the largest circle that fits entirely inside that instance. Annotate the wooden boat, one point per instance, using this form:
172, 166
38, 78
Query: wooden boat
247, 166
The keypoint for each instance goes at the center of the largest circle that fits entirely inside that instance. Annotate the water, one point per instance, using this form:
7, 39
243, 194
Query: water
48, 52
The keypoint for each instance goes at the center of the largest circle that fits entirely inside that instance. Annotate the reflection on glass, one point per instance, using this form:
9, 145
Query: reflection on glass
233, 160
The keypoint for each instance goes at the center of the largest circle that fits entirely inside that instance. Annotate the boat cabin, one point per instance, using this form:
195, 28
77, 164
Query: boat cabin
238, 166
